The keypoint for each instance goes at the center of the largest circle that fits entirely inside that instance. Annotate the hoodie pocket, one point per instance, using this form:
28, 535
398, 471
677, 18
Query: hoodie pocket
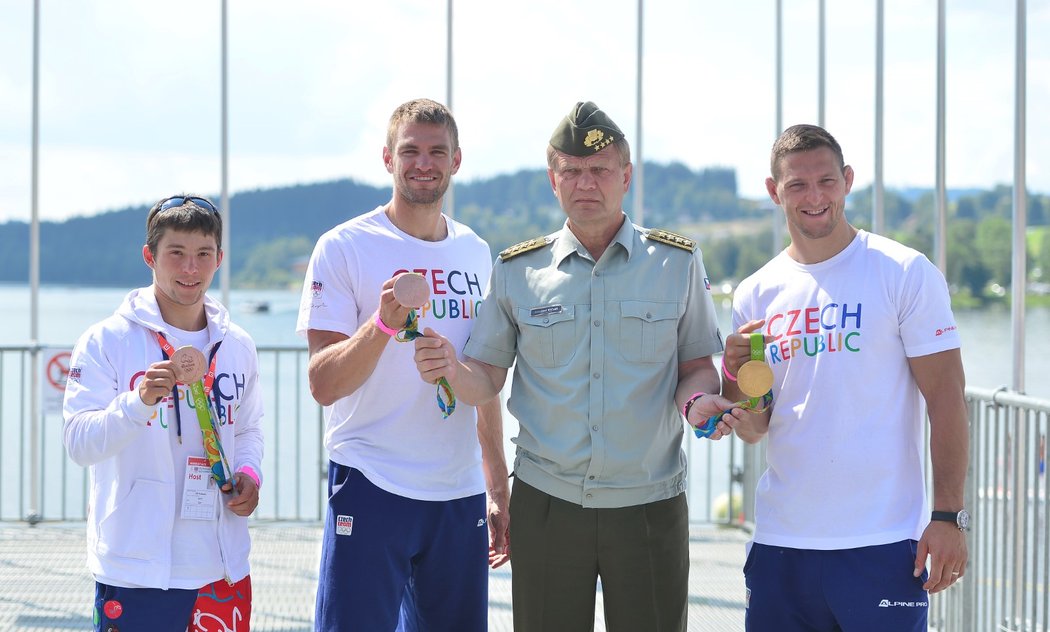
138, 521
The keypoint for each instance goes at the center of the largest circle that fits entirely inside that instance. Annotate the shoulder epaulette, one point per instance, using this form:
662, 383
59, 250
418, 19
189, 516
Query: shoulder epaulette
671, 239
523, 247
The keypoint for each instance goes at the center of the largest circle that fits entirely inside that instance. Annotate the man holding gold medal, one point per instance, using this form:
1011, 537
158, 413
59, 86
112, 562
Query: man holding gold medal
854, 334
162, 406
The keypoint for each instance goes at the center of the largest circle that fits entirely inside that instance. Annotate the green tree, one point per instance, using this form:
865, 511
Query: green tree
975, 276
966, 208
895, 208
960, 252
1038, 210
1042, 256
274, 263
993, 243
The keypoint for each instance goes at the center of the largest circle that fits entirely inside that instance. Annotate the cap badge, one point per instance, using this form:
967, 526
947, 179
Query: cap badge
593, 136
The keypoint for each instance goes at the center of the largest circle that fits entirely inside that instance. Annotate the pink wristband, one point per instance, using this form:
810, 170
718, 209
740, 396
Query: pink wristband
383, 327
250, 473
689, 403
725, 372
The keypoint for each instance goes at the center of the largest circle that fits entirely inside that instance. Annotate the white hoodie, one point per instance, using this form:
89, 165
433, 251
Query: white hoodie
132, 504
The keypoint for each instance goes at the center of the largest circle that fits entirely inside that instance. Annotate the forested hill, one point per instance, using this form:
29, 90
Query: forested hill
273, 230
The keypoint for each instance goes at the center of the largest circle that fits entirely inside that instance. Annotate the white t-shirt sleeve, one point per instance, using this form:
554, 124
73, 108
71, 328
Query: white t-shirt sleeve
329, 301
927, 324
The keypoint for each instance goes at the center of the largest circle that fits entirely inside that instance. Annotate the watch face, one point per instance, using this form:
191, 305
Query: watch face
963, 519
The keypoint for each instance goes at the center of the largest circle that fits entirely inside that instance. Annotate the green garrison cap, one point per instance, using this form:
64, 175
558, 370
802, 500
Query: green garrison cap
585, 131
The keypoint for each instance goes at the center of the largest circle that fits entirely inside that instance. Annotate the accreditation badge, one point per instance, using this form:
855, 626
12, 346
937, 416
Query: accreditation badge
199, 492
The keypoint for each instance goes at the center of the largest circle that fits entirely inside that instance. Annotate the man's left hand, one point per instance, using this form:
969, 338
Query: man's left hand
945, 545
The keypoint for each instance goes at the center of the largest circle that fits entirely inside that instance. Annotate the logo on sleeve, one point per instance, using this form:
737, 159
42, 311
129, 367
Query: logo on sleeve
317, 294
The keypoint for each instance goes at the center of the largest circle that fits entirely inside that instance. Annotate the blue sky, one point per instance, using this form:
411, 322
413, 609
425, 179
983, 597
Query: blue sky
130, 90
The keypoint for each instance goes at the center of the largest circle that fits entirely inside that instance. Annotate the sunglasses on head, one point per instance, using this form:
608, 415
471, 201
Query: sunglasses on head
179, 200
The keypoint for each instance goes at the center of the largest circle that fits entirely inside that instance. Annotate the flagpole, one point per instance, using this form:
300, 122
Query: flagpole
450, 193
638, 177
34, 285
224, 203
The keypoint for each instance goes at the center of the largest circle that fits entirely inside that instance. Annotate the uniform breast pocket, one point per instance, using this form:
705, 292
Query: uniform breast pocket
648, 330
547, 340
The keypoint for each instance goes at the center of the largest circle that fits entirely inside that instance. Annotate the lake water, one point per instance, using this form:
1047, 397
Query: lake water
65, 312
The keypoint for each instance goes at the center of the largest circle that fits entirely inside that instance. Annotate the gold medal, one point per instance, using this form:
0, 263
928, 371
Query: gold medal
411, 290
190, 365
755, 378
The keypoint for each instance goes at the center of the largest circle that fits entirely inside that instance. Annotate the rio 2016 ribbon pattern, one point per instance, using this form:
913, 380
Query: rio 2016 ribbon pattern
411, 290
193, 370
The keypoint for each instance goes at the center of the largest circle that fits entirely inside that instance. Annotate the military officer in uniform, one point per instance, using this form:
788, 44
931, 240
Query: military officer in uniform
610, 328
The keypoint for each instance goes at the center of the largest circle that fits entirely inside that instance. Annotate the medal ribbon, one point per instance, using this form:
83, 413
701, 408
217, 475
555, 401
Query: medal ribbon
409, 333
200, 391
754, 404
758, 347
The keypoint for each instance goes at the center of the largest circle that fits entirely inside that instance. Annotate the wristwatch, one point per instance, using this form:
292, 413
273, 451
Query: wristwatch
960, 518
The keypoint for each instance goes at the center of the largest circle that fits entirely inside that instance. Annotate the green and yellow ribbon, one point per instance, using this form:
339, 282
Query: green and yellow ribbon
408, 333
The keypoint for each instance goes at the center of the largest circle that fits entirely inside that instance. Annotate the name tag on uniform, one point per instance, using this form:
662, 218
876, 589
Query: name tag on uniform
199, 491
546, 310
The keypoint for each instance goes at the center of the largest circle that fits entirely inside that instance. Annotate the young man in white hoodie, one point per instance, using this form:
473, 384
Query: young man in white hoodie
162, 406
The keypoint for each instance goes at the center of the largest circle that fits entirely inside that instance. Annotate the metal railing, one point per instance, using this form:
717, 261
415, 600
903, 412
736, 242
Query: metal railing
294, 466
295, 461
1006, 588
1007, 585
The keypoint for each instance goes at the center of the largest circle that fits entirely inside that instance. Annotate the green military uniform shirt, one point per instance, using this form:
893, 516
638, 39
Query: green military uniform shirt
596, 348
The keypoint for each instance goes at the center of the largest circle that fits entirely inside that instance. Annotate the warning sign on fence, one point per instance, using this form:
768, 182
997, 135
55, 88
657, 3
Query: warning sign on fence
56, 370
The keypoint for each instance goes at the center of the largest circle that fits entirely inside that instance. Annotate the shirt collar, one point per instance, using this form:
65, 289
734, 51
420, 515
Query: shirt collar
566, 242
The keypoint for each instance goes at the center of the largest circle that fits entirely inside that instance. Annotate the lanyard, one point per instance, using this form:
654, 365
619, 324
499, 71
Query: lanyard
409, 333
202, 405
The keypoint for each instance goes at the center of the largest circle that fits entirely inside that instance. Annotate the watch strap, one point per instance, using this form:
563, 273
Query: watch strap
945, 516
960, 519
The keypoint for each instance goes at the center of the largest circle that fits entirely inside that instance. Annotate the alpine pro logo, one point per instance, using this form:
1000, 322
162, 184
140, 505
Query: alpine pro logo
886, 603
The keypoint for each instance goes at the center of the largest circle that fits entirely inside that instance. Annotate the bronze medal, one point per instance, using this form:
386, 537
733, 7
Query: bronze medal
190, 365
755, 378
411, 290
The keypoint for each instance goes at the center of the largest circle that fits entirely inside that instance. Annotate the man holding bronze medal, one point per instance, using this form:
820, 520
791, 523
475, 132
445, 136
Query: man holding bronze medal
162, 406
407, 531
610, 328
853, 333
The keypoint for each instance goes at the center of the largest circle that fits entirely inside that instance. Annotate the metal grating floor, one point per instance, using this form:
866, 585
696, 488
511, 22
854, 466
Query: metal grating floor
45, 587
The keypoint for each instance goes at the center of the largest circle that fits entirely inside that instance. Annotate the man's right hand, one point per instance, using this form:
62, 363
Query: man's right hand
157, 383
392, 313
738, 346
